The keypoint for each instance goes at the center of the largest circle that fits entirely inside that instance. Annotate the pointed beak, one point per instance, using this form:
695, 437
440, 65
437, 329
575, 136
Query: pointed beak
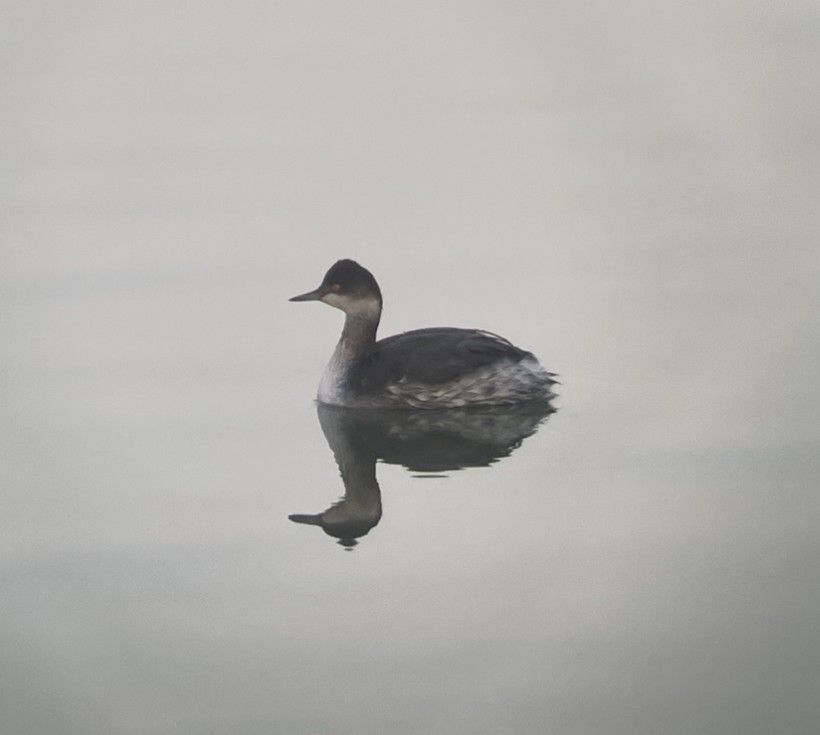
310, 295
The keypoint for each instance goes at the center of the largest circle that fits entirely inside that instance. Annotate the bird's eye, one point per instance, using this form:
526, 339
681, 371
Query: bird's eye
336, 288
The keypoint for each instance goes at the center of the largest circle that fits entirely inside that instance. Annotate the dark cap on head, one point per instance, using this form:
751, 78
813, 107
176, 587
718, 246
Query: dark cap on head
346, 278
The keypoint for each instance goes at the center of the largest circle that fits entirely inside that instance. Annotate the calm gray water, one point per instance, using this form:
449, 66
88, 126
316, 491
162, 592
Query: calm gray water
630, 191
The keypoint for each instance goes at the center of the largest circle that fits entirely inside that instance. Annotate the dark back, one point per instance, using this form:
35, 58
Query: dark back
431, 356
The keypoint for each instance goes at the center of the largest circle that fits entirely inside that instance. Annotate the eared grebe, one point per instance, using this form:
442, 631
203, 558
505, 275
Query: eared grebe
441, 367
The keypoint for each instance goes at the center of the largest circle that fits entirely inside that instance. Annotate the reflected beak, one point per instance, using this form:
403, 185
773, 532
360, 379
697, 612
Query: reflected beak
303, 518
310, 295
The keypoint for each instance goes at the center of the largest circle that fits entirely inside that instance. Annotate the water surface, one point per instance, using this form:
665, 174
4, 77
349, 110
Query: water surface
628, 192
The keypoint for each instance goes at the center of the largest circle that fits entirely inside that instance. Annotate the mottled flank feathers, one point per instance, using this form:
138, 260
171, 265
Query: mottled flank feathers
444, 367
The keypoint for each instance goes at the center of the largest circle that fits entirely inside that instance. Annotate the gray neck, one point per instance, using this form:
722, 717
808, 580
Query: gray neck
358, 336
356, 342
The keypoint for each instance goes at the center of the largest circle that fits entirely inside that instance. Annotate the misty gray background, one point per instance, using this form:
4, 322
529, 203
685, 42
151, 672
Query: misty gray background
627, 189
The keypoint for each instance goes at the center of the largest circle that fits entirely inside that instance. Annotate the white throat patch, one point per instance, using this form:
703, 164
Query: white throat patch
368, 308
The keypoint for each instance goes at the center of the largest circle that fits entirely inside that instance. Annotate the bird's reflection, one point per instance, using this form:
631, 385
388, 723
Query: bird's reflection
422, 441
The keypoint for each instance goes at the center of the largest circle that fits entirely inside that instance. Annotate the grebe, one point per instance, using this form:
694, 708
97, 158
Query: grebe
440, 367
